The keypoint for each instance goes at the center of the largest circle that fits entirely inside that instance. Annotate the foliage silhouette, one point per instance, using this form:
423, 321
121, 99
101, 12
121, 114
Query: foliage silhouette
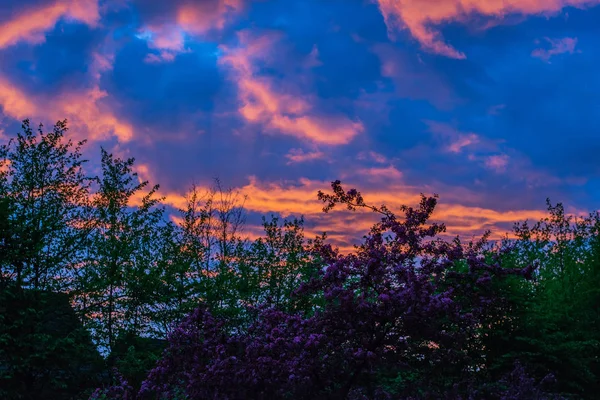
398, 319
407, 314
45, 352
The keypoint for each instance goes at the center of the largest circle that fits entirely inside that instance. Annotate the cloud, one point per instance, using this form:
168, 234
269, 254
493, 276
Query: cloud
497, 163
88, 108
455, 141
168, 40
372, 156
82, 108
476, 146
163, 56
424, 18
312, 60
14, 102
346, 228
85, 110
168, 35
280, 106
299, 156
493, 155
557, 46
463, 141
31, 25
198, 17
381, 174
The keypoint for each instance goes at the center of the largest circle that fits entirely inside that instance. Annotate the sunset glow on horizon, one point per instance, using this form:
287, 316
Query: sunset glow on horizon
492, 104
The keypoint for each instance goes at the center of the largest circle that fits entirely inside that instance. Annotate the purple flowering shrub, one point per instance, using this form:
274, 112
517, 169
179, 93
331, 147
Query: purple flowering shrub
401, 317
119, 390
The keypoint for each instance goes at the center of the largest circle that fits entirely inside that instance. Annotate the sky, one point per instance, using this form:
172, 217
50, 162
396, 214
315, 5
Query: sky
492, 104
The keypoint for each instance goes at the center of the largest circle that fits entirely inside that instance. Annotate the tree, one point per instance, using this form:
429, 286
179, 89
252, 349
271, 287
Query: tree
272, 267
208, 243
398, 319
45, 197
119, 274
45, 353
556, 319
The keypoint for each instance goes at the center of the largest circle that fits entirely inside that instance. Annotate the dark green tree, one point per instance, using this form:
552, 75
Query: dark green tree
45, 196
272, 267
45, 352
120, 274
552, 324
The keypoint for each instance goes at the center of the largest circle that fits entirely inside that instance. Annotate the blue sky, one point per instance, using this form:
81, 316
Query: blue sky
491, 104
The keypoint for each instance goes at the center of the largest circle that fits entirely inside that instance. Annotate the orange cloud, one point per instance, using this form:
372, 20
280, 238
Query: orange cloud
346, 228
557, 46
14, 102
82, 109
4, 164
423, 18
286, 113
88, 110
32, 24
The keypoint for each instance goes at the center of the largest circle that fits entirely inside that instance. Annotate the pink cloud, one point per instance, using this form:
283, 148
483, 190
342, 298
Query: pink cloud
163, 56
164, 37
89, 110
14, 101
83, 109
318, 129
423, 18
198, 17
312, 60
372, 156
557, 46
32, 24
455, 141
191, 18
299, 156
101, 62
381, 174
86, 110
479, 147
167, 39
497, 163
463, 141
280, 106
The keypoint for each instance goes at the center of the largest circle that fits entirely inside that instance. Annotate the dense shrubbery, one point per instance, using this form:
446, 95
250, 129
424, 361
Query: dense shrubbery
44, 350
194, 311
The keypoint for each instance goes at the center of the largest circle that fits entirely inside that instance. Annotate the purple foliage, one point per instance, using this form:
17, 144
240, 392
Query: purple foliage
119, 391
400, 303
520, 386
